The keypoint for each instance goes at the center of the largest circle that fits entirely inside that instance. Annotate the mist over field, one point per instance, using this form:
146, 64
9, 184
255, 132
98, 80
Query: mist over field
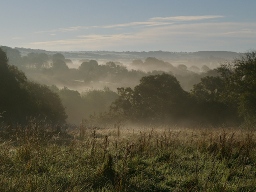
88, 82
180, 64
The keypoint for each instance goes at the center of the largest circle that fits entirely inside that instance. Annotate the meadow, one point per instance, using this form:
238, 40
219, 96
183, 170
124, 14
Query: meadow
124, 158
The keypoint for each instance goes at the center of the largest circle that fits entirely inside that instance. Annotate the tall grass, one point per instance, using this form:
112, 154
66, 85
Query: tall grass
127, 159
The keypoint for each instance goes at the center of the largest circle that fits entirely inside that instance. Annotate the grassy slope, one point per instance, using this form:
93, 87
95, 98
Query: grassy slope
131, 160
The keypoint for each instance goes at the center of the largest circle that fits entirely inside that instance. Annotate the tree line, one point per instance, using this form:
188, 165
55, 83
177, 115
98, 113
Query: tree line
225, 95
54, 69
226, 98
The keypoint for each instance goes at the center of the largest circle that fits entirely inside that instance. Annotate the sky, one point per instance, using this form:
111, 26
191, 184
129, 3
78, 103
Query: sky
129, 25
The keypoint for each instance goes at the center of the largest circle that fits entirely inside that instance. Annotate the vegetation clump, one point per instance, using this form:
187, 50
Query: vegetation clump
21, 99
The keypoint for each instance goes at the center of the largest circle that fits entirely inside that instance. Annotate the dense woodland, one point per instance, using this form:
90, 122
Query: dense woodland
225, 95
54, 68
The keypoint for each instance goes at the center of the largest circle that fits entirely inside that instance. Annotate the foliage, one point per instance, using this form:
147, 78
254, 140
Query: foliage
46, 104
157, 97
13, 55
209, 89
21, 99
212, 105
240, 81
81, 106
59, 66
36, 60
229, 95
58, 56
12, 95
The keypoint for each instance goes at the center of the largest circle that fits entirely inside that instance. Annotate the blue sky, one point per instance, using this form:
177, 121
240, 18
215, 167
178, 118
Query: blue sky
129, 25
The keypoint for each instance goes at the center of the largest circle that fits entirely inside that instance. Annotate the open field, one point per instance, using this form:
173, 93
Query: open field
129, 159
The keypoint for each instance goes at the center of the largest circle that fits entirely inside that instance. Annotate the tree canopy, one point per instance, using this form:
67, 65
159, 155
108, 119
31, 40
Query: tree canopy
240, 80
226, 96
21, 99
157, 98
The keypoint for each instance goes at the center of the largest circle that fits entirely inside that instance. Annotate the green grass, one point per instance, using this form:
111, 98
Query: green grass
129, 159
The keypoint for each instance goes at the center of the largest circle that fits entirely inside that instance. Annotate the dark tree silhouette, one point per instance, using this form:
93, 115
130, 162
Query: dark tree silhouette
240, 81
157, 98
21, 99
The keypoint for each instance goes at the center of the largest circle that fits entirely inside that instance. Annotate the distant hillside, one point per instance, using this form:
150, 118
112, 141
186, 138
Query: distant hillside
200, 58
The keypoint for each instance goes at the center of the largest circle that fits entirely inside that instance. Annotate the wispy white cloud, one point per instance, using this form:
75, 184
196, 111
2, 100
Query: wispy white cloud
86, 39
248, 33
186, 18
162, 33
159, 21
152, 22
137, 24
68, 29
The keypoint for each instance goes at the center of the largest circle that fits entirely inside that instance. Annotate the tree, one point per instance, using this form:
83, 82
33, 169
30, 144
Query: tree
240, 80
73, 104
58, 56
212, 106
59, 65
13, 55
80, 106
137, 62
88, 66
160, 95
21, 99
230, 93
36, 60
182, 67
209, 89
123, 105
157, 98
11, 95
89, 70
45, 103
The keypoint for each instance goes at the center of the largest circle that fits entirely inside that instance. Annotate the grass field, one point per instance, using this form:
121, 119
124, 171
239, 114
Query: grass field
128, 159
